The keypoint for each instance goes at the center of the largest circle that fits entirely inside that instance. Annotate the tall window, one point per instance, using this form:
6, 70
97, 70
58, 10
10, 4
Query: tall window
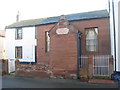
19, 33
47, 42
18, 52
92, 39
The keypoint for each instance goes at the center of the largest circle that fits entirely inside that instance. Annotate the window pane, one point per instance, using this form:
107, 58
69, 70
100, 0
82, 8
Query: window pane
91, 39
18, 33
18, 51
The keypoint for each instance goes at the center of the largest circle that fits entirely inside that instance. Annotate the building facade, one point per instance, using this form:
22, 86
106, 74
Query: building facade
21, 41
71, 46
66, 43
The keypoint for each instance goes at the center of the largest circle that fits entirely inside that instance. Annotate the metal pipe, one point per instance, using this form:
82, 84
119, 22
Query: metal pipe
78, 54
114, 34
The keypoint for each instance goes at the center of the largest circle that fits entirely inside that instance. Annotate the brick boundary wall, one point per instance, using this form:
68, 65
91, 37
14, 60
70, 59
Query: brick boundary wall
31, 70
41, 71
4, 66
44, 71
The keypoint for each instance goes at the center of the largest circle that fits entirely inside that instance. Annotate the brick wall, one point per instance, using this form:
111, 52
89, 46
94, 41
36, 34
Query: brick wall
42, 56
103, 44
3, 66
31, 70
62, 57
103, 35
40, 70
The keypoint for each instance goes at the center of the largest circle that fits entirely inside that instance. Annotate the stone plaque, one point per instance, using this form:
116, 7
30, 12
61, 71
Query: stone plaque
62, 31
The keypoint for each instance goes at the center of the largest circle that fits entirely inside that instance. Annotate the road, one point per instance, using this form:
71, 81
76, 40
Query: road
29, 82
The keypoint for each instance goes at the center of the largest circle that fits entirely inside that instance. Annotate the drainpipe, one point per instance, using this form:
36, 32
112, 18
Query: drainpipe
78, 54
114, 34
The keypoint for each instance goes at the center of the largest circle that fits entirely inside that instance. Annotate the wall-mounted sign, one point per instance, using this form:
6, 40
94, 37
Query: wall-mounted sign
62, 31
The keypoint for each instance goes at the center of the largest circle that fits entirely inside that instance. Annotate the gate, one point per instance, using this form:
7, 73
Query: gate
101, 65
11, 65
96, 65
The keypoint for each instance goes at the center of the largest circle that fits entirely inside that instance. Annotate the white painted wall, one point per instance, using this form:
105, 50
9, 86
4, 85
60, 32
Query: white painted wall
2, 45
117, 33
118, 37
2, 39
28, 43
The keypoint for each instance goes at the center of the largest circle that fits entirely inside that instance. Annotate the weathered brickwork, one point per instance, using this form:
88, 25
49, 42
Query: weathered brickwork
61, 60
3, 66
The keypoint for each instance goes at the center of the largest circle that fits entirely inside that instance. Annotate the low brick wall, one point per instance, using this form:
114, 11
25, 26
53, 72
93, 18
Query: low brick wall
41, 71
31, 70
45, 71
3, 66
62, 73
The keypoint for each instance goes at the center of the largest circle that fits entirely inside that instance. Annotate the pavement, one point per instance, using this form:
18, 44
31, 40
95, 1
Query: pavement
11, 81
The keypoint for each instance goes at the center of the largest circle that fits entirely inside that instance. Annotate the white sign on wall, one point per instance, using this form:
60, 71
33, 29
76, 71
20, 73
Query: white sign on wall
62, 31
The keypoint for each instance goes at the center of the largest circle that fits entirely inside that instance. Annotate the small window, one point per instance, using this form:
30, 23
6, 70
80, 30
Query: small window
92, 39
18, 52
19, 33
47, 42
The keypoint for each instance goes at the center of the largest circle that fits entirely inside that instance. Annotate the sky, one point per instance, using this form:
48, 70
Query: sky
32, 9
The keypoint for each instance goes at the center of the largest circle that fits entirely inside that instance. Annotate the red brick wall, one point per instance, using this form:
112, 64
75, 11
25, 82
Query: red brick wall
42, 56
103, 35
32, 70
63, 54
62, 57
103, 38
4, 66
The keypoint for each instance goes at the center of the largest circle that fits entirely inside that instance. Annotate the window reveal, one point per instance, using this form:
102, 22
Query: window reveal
92, 39
47, 41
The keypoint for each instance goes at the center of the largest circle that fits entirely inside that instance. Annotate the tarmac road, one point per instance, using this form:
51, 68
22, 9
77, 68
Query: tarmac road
29, 82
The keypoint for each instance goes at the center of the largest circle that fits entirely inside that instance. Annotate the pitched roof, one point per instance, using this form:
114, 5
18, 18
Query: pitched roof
77, 16
70, 17
25, 23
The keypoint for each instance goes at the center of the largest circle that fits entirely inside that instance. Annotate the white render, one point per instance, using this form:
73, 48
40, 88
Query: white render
28, 43
118, 37
2, 44
117, 32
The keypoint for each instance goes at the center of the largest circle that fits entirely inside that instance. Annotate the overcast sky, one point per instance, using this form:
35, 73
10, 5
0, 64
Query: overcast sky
31, 9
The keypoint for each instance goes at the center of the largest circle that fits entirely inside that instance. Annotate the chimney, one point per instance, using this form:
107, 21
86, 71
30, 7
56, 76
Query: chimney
17, 16
62, 17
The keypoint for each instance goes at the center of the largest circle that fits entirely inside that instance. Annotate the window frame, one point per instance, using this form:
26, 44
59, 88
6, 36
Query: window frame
20, 53
97, 48
16, 33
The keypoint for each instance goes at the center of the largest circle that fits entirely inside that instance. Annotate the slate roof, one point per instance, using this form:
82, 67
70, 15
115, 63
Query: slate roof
77, 16
70, 17
25, 23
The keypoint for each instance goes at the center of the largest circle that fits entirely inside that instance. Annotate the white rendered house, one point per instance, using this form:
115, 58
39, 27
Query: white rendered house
21, 41
115, 32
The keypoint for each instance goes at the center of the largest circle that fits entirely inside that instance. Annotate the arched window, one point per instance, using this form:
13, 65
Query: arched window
92, 39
